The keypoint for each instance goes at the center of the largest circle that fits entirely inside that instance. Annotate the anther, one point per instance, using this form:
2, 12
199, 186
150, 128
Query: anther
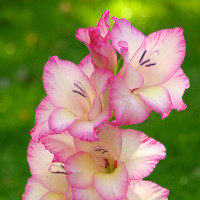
58, 172
75, 91
149, 65
142, 56
146, 61
104, 151
80, 88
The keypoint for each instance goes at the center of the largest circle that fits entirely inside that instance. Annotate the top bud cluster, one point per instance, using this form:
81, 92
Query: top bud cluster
76, 126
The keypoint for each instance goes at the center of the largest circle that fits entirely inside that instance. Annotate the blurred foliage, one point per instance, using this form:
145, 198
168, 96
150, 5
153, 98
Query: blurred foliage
32, 30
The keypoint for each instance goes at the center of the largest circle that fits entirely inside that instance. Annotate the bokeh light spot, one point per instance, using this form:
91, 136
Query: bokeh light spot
31, 38
183, 180
126, 13
65, 7
10, 48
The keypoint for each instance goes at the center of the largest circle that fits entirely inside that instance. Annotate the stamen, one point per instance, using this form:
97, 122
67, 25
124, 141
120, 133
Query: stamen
57, 172
104, 151
142, 56
57, 166
148, 65
146, 61
75, 91
99, 148
80, 88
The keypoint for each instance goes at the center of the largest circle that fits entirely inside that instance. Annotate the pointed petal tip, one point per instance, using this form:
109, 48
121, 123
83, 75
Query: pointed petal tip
53, 58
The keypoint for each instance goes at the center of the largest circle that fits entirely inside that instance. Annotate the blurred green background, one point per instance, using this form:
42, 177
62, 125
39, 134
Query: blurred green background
33, 30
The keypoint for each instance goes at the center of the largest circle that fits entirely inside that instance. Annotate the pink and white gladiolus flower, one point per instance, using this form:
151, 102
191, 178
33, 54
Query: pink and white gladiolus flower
48, 179
98, 42
109, 164
151, 77
77, 99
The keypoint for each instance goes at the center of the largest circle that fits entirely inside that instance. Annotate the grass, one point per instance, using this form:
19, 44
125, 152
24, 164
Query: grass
32, 30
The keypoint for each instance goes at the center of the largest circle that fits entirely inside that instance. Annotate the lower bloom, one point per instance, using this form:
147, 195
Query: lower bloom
105, 168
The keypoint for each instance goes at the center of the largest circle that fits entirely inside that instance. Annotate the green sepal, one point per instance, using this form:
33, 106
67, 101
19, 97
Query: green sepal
118, 66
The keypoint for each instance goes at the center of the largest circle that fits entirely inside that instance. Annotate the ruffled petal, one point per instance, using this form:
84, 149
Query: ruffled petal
86, 65
67, 86
176, 87
160, 56
61, 119
139, 153
103, 24
41, 128
98, 43
85, 194
157, 98
146, 190
81, 168
61, 145
82, 34
34, 190
113, 185
39, 160
125, 38
128, 108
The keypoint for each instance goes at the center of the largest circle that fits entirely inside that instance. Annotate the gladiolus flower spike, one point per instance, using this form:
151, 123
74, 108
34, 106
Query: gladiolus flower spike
77, 150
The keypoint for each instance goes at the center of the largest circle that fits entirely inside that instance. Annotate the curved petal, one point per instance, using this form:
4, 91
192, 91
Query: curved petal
88, 130
160, 56
103, 24
86, 65
157, 98
176, 87
103, 53
109, 139
34, 190
41, 128
101, 79
146, 190
67, 86
43, 111
131, 77
113, 185
128, 108
39, 160
103, 27
82, 34
81, 168
84, 130
139, 153
61, 119
85, 194
125, 38
61, 145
